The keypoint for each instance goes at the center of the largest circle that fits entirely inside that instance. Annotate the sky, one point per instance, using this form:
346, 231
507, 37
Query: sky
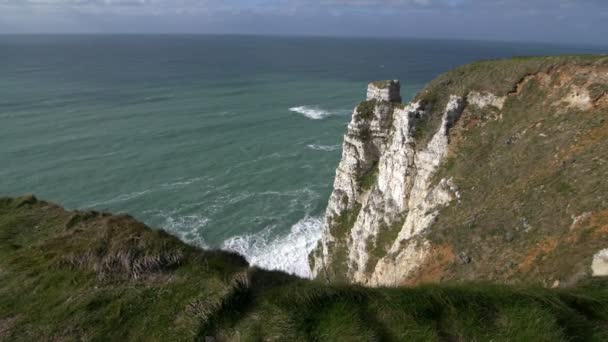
561, 21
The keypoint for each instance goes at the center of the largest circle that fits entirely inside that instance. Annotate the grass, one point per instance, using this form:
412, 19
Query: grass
498, 77
365, 109
382, 84
377, 248
367, 180
596, 90
48, 293
343, 224
105, 277
541, 163
340, 228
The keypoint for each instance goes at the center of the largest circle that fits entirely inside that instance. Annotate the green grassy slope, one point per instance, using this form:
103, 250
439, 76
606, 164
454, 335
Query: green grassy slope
67, 276
533, 175
499, 77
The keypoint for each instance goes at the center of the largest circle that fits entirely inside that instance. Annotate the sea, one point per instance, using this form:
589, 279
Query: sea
226, 142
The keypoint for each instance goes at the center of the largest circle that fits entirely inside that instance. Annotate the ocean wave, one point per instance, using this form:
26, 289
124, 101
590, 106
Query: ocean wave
312, 112
287, 253
267, 248
120, 198
181, 182
326, 148
274, 155
291, 193
176, 184
301, 199
187, 228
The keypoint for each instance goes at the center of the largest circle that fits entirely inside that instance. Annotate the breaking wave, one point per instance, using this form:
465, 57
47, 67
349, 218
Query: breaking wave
287, 253
272, 248
188, 228
326, 148
312, 112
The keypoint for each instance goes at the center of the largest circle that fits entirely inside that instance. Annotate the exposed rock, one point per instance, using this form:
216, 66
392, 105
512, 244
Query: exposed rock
404, 185
483, 100
577, 220
579, 100
389, 91
463, 258
423, 199
599, 265
363, 144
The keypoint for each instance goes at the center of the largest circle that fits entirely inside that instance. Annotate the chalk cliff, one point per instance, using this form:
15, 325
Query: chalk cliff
495, 171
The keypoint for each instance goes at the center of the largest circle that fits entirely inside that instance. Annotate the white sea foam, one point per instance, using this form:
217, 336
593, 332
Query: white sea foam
265, 249
187, 228
326, 148
312, 112
287, 253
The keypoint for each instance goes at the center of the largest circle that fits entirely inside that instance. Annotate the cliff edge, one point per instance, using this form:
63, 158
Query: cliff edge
497, 170
90, 276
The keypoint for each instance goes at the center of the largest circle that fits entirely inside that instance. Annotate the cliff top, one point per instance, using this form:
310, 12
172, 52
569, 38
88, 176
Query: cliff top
388, 91
497, 77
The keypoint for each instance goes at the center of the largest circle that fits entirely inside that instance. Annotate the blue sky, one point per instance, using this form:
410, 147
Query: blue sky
573, 21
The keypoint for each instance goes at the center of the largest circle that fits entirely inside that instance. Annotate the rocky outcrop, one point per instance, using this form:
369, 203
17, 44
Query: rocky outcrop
403, 204
599, 266
424, 201
388, 91
402, 197
364, 143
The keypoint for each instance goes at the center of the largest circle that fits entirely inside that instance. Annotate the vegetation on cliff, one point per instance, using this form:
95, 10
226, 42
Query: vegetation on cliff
525, 171
532, 175
498, 77
93, 276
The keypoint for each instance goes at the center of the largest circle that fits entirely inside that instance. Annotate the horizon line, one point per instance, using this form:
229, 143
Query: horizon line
303, 35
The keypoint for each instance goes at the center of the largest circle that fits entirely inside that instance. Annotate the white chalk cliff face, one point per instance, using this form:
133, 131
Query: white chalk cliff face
363, 144
401, 201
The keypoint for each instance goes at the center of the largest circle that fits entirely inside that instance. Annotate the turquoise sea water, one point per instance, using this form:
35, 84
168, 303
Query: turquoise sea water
225, 141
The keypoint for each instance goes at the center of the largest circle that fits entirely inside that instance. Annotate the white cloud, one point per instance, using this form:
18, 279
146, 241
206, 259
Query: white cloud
503, 19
